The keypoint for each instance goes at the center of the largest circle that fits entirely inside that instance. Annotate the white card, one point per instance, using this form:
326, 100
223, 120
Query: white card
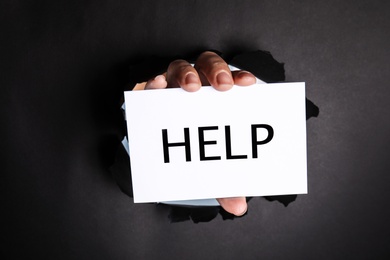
248, 141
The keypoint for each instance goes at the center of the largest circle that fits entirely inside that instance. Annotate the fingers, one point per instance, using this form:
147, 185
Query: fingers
243, 78
209, 69
236, 206
181, 74
158, 82
214, 70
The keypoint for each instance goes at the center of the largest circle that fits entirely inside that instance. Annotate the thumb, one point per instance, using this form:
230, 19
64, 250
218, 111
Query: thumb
236, 205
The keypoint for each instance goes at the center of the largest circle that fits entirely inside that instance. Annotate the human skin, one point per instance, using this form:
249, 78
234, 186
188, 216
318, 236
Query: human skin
209, 69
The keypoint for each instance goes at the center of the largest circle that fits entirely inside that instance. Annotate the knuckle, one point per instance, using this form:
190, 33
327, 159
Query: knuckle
180, 66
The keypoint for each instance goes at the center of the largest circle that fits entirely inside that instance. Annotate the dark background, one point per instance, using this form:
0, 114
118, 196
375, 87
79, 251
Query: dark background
63, 65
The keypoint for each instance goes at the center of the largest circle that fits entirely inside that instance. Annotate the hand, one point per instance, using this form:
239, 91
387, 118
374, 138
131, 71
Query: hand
209, 69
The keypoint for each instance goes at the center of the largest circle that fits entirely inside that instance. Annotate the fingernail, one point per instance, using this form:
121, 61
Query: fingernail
191, 78
247, 76
224, 79
243, 73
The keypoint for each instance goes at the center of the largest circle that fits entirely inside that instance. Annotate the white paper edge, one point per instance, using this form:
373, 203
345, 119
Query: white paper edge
199, 202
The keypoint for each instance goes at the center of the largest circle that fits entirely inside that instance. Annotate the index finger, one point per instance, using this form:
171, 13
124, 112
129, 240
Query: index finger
213, 70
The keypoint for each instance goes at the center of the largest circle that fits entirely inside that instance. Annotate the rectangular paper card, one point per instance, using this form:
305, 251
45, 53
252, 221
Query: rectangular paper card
248, 141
